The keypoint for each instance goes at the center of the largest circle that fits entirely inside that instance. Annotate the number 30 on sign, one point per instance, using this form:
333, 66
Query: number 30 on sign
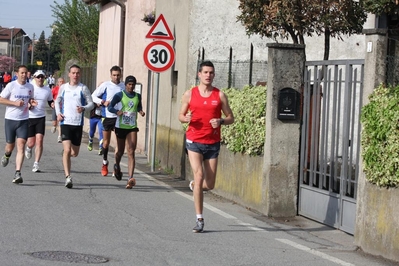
159, 56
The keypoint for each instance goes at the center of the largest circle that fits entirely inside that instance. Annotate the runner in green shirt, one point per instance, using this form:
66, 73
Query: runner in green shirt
126, 104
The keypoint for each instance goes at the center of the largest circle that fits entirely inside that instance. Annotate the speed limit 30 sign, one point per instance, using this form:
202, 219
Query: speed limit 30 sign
159, 56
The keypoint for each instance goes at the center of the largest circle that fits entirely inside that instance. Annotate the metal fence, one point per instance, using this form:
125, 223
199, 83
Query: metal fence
237, 74
88, 77
392, 70
330, 141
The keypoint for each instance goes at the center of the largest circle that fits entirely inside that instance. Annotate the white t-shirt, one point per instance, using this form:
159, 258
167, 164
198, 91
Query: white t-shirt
106, 91
42, 95
14, 92
68, 99
51, 80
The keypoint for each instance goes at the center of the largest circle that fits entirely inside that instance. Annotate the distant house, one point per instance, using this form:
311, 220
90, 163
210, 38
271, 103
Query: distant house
16, 43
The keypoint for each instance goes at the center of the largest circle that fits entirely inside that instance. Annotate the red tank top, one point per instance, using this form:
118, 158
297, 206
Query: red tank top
203, 109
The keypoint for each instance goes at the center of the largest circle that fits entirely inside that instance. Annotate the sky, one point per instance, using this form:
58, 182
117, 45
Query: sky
30, 16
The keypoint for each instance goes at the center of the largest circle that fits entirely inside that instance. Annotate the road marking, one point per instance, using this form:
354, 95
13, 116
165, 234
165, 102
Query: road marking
314, 252
248, 225
206, 205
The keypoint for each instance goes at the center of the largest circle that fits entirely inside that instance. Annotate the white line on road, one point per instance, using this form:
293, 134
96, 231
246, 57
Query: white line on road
314, 252
209, 207
247, 225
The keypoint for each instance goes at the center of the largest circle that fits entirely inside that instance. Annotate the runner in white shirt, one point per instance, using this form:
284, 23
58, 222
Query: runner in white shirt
72, 100
37, 119
103, 96
18, 96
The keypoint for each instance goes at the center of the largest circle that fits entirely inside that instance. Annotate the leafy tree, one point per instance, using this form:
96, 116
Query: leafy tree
55, 51
41, 51
299, 18
382, 6
337, 18
77, 27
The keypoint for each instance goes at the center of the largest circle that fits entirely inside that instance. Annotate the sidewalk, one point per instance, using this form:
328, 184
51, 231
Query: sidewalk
298, 226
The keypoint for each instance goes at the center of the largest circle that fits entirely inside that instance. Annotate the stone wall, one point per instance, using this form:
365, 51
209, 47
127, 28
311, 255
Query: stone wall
377, 225
239, 178
377, 214
286, 64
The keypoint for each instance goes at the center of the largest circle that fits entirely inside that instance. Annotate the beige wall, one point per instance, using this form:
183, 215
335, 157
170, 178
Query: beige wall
134, 43
108, 41
169, 141
176, 15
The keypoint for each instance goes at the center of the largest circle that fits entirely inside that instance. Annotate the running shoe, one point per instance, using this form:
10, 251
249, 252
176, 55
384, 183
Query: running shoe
68, 182
104, 170
28, 153
90, 146
199, 226
53, 129
18, 178
4, 160
117, 172
36, 168
191, 185
100, 151
59, 139
131, 183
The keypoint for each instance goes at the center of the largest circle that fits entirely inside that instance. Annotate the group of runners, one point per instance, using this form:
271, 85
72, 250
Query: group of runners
25, 118
202, 108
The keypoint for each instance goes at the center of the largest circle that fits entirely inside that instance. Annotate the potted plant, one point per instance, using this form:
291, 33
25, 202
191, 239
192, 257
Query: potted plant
149, 18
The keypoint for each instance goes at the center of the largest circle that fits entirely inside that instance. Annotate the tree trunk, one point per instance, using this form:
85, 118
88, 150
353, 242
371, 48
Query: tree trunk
327, 35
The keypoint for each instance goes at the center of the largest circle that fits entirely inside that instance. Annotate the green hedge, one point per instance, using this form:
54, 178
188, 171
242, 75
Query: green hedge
247, 134
380, 137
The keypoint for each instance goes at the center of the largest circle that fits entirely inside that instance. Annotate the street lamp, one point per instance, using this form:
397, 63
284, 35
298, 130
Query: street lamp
12, 32
33, 48
48, 55
23, 48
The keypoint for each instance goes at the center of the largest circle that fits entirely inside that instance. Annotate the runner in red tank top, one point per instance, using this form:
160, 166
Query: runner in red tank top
202, 109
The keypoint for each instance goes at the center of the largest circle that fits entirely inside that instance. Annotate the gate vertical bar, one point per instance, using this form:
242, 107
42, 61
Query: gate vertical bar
330, 142
251, 62
359, 128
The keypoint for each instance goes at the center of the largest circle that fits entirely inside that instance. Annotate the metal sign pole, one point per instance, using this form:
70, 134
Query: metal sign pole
154, 121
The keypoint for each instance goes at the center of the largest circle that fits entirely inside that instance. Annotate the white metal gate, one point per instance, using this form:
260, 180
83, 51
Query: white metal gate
330, 142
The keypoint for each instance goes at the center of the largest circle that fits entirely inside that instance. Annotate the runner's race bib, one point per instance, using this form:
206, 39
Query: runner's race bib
129, 118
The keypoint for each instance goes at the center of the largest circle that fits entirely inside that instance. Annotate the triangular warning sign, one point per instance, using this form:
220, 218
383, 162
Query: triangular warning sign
160, 30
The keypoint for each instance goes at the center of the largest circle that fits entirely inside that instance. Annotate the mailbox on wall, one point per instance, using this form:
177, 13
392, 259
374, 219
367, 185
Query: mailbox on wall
288, 104
138, 88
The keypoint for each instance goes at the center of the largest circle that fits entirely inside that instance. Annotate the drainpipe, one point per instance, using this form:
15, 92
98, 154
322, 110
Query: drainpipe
122, 32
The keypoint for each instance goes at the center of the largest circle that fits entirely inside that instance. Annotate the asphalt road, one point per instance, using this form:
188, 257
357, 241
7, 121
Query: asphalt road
101, 222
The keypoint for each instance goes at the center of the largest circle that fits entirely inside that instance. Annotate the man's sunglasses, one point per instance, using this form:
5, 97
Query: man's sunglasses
40, 77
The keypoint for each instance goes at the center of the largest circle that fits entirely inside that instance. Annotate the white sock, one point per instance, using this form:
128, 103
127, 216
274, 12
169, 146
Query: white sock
199, 216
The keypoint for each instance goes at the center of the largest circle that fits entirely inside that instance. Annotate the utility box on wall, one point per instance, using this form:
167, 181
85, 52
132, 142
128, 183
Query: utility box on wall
288, 103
